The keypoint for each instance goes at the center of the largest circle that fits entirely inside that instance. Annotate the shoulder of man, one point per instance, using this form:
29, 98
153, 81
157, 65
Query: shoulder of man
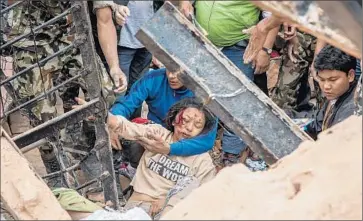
346, 110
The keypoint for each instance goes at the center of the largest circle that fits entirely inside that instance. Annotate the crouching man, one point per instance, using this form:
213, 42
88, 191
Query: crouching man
162, 180
335, 75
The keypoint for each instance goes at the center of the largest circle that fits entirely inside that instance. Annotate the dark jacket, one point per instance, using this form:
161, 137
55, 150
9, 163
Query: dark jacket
342, 109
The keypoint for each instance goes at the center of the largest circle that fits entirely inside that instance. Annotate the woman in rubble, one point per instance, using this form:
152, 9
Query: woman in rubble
162, 180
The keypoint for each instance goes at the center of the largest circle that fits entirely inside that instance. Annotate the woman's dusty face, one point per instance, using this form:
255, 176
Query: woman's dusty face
188, 123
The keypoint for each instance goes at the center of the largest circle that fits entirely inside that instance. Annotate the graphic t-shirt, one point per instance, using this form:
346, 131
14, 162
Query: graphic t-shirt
158, 173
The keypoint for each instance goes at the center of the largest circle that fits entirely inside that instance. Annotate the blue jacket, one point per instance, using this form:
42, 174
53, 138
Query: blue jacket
154, 89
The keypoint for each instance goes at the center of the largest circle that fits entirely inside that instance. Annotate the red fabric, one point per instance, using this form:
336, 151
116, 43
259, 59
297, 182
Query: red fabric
275, 54
140, 120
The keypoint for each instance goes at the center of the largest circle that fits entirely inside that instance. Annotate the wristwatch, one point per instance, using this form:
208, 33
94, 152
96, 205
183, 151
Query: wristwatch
267, 50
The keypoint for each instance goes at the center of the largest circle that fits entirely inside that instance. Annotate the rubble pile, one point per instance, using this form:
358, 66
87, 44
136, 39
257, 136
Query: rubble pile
320, 180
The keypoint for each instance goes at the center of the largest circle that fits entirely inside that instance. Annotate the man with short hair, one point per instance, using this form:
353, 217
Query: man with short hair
335, 75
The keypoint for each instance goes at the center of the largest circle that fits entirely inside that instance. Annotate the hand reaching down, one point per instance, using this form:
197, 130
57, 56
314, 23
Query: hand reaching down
121, 14
119, 79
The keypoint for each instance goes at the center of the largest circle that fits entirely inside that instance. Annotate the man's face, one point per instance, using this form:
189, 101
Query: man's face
334, 83
173, 80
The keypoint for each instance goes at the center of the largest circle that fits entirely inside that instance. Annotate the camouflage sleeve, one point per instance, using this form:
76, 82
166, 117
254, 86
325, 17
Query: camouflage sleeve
358, 98
102, 4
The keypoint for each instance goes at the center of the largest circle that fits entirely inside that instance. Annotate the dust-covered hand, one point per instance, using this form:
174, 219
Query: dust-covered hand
114, 138
257, 39
156, 207
81, 102
154, 142
121, 13
119, 78
186, 8
289, 31
261, 63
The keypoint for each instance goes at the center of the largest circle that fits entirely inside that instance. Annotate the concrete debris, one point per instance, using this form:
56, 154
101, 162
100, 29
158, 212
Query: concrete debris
321, 180
23, 192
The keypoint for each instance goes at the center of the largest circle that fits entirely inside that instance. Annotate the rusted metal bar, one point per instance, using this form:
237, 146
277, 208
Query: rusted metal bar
10, 7
102, 145
228, 93
70, 150
54, 125
327, 20
43, 95
34, 145
100, 178
66, 12
41, 62
54, 174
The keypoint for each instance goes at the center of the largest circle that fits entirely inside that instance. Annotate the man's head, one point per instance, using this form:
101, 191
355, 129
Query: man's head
188, 118
173, 80
335, 71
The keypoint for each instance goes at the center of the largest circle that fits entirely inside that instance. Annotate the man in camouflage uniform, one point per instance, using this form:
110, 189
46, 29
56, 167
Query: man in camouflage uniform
292, 91
358, 97
44, 43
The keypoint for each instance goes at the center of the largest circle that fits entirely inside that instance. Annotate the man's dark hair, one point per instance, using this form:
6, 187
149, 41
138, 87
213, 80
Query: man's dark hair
331, 58
187, 103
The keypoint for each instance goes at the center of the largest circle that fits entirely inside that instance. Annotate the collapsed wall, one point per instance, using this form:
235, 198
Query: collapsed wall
320, 180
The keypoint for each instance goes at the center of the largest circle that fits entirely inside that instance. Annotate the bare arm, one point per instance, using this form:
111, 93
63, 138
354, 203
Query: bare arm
107, 36
259, 35
262, 61
271, 37
320, 44
133, 131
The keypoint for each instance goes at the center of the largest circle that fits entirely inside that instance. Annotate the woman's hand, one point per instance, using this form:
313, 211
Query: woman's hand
156, 207
153, 141
112, 123
81, 102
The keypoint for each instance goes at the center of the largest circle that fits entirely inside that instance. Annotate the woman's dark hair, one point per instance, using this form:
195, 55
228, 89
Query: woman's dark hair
189, 103
331, 58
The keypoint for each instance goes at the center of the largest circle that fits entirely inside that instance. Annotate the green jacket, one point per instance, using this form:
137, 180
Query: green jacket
225, 20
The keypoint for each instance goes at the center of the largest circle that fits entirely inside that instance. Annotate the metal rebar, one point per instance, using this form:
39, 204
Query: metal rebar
51, 126
66, 12
34, 145
75, 166
55, 144
36, 64
100, 178
10, 7
71, 150
44, 94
